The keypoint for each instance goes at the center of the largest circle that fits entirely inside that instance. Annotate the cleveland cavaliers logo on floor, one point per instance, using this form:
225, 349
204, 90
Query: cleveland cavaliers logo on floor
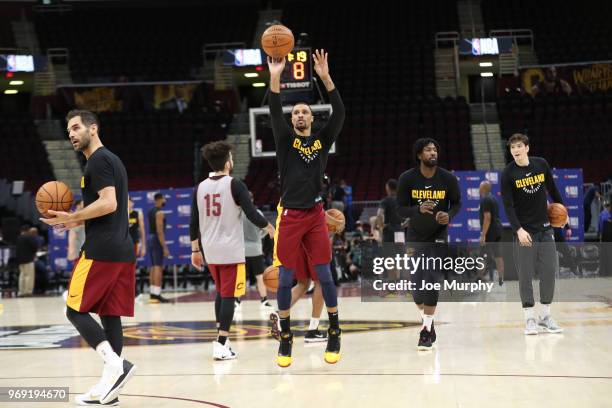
140, 334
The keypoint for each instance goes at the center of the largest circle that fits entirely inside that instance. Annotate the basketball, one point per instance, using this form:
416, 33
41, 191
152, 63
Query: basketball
53, 195
335, 220
270, 278
557, 214
277, 41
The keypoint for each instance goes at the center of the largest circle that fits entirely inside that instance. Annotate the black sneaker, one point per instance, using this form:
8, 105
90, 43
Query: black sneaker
158, 299
501, 282
424, 340
332, 351
283, 359
315, 336
275, 326
432, 333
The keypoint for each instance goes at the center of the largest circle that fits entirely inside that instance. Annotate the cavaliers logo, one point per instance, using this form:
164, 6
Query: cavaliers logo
144, 334
307, 151
530, 184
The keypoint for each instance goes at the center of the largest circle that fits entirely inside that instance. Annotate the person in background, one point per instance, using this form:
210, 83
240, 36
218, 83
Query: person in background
27, 246
604, 217
254, 259
592, 194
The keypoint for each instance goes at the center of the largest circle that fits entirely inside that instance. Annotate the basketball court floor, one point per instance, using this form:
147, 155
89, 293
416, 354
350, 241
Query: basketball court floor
481, 358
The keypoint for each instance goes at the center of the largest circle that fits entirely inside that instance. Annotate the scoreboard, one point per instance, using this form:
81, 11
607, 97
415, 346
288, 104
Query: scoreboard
297, 75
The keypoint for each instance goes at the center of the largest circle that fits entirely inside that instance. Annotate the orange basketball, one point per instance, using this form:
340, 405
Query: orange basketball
277, 41
53, 195
270, 278
335, 220
557, 214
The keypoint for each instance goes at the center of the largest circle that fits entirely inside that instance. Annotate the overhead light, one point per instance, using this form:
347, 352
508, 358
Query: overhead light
16, 83
251, 75
10, 91
486, 64
259, 84
486, 74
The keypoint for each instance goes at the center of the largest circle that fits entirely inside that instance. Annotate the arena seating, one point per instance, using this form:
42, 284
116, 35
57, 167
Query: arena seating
386, 79
157, 148
23, 155
152, 43
563, 31
570, 131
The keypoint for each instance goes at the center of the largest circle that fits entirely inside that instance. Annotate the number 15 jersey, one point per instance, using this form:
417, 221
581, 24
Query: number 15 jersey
216, 215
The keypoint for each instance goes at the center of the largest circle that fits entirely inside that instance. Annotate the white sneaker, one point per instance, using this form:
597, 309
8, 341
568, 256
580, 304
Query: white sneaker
550, 325
223, 352
531, 328
113, 379
265, 305
92, 398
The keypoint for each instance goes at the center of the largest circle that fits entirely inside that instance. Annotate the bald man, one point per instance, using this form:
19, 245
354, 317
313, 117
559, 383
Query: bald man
491, 228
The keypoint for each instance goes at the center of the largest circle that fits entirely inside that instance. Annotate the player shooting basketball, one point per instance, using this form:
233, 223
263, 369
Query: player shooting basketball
302, 157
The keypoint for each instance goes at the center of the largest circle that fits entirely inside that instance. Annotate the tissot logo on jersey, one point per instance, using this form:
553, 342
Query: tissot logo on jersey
307, 153
428, 194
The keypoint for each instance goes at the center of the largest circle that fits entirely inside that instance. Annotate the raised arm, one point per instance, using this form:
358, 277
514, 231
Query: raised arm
280, 127
332, 129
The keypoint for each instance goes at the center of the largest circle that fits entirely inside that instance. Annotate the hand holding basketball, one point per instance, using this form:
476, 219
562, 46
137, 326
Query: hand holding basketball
276, 66
60, 220
557, 214
335, 220
53, 196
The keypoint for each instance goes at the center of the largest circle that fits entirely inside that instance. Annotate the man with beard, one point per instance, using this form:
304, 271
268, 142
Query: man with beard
216, 219
103, 279
429, 195
302, 157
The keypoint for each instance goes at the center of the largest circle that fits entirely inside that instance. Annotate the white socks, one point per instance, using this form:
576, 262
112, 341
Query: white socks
314, 323
427, 320
105, 351
155, 290
529, 314
545, 310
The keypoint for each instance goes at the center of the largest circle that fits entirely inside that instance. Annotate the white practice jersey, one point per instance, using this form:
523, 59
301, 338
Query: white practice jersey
220, 222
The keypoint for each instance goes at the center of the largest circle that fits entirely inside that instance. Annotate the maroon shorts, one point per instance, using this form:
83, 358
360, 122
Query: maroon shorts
105, 288
302, 240
304, 269
230, 279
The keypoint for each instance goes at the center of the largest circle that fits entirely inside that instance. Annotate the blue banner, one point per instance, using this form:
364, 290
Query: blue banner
177, 211
465, 227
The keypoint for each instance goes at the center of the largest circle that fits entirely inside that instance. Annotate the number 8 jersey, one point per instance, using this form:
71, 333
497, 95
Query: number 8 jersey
219, 201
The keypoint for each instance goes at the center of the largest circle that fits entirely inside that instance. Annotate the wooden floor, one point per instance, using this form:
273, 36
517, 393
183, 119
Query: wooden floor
481, 358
